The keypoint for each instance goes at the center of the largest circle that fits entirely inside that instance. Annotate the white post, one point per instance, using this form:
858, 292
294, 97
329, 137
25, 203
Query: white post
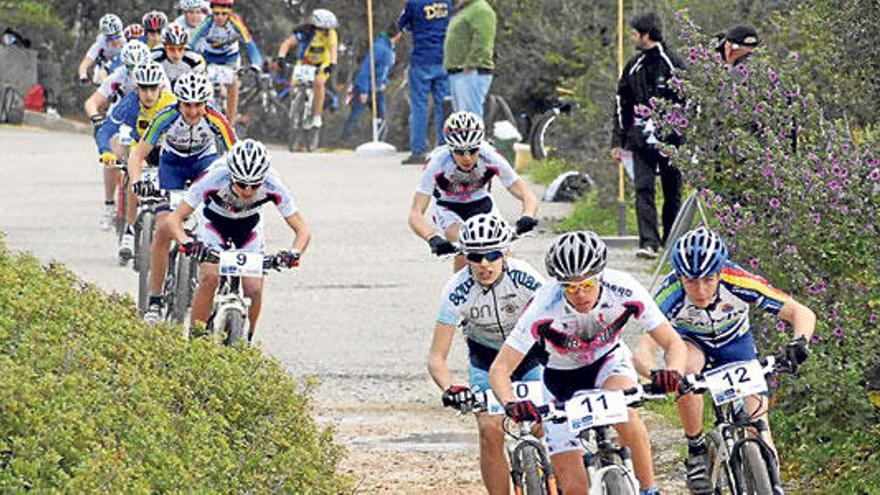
375, 147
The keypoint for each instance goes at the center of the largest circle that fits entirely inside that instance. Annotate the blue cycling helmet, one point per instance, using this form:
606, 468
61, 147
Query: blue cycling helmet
698, 254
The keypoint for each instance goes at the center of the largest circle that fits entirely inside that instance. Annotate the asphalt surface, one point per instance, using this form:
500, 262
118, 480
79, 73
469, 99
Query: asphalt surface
358, 314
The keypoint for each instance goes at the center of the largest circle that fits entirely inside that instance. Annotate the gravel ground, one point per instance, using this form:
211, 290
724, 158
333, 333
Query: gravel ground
358, 314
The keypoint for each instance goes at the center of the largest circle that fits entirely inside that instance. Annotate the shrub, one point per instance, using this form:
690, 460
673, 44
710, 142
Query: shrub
806, 218
92, 401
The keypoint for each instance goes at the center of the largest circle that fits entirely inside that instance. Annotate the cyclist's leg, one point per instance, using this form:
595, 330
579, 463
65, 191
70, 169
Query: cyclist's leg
232, 99
493, 462
451, 234
318, 87
757, 407
690, 406
570, 471
203, 298
253, 288
159, 253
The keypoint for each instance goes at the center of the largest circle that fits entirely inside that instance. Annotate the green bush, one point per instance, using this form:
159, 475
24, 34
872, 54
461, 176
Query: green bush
92, 401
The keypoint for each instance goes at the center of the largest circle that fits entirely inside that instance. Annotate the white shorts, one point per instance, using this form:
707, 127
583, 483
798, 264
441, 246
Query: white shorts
618, 362
445, 217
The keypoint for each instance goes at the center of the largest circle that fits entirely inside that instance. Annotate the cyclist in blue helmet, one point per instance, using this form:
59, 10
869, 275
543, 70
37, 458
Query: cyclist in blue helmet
707, 299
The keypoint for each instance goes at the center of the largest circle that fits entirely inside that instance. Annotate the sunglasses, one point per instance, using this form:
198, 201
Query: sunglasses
245, 185
175, 48
472, 151
479, 257
221, 11
586, 284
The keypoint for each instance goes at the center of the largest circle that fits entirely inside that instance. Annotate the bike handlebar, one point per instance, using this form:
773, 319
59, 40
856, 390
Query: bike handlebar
635, 397
696, 382
270, 261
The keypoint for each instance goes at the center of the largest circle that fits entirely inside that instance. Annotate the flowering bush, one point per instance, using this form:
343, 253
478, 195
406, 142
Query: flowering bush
797, 199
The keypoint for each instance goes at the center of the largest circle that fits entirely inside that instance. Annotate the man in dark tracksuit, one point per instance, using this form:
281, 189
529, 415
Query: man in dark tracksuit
645, 76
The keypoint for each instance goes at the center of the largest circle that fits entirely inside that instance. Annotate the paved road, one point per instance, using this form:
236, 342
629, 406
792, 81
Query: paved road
358, 314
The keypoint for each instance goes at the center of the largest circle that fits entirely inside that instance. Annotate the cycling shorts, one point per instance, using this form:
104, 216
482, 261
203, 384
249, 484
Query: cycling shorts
447, 214
175, 171
741, 348
480, 359
222, 233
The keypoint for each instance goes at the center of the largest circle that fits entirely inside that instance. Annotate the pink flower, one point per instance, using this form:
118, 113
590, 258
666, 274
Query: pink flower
780, 326
874, 175
753, 263
872, 319
774, 203
837, 332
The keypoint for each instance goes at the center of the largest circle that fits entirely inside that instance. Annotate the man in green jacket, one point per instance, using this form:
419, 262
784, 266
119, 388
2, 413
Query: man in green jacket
468, 54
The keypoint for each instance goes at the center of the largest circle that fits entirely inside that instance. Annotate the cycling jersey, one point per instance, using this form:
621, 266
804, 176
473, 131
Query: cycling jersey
574, 340
101, 51
120, 83
130, 112
221, 42
725, 319
185, 140
488, 314
443, 180
191, 61
313, 46
181, 21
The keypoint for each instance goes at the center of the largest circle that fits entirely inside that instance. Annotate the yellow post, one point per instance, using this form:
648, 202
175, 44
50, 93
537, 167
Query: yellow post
621, 198
372, 71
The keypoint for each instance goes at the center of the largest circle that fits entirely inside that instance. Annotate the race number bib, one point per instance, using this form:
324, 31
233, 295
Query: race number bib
304, 73
151, 175
592, 408
241, 264
221, 74
532, 390
735, 380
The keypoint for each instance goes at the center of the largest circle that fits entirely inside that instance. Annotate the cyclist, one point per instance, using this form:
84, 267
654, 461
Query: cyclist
707, 298
192, 15
578, 319
133, 54
154, 22
107, 44
134, 32
317, 44
233, 196
221, 33
135, 110
176, 60
188, 130
485, 299
458, 175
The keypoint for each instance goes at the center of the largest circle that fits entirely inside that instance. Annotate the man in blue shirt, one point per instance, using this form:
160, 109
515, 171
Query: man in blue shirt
427, 21
383, 54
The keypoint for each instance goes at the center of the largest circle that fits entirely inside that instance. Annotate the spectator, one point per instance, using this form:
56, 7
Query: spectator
737, 44
383, 57
468, 55
646, 76
427, 20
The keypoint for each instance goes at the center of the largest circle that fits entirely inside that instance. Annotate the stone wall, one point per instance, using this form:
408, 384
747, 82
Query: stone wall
18, 68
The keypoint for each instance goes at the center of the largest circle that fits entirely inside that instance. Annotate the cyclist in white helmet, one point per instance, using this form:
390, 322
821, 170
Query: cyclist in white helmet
192, 15
233, 193
175, 58
485, 299
578, 318
457, 175
106, 46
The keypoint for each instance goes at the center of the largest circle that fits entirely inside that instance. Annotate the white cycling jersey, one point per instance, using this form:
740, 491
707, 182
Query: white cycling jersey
101, 51
443, 180
181, 21
191, 61
120, 82
488, 314
552, 319
214, 189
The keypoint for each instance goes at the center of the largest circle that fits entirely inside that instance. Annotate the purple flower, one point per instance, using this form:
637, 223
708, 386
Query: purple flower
774, 203
833, 185
682, 122
874, 175
815, 339
677, 15
780, 326
795, 56
767, 171
773, 77
759, 107
753, 263
816, 218
790, 248
816, 289
872, 319
777, 183
832, 201
872, 162
837, 332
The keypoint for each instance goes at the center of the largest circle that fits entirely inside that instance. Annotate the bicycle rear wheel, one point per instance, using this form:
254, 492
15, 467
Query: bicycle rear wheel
532, 475
142, 259
756, 475
233, 327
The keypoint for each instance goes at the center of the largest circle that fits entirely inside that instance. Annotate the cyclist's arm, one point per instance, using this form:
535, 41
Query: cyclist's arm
254, 55
505, 363
301, 230
285, 46
417, 221
521, 191
95, 104
221, 127
440, 345
674, 348
802, 318
84, 66
334, 48
136, 160
175, 222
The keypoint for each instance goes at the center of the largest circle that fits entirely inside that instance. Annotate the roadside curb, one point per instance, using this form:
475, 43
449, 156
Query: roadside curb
626, 241
54, 123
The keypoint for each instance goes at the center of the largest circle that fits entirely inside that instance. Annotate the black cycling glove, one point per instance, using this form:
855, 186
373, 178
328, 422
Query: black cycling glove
525, 224
440, 246
795, 353
143, 188
457, 396
522, 411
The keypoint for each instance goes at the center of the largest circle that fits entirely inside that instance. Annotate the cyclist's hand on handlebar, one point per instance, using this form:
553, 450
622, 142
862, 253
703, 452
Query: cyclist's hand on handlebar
664, 381
143, 188
195, 249
457, 396
286, 259
522, 411
107, 158
685, 386
84, 80
794, 353
525, 224
440, 246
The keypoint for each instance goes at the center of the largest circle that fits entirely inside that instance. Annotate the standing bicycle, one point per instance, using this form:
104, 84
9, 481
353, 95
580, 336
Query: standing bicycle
233, 196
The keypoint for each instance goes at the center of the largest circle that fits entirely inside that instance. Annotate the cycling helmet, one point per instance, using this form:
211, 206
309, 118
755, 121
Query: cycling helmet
248, 162
575, 254
323, 19
193, 87
485, 232
463, 131
133, 32
154, 20
187, 5
223, 3
698, 253
174, 34
149, 73
110, 25
134, 53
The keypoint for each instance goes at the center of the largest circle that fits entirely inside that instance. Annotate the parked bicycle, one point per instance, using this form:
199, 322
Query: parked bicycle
740, 461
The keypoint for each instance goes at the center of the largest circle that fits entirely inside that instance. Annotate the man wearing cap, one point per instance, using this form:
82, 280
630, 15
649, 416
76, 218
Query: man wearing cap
737, 44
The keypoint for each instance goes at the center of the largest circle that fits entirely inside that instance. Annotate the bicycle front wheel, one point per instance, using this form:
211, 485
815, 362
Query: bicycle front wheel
616, 482
142, 259
183, 285
719, 471
540, 143
756, 475
233, 327
532, 475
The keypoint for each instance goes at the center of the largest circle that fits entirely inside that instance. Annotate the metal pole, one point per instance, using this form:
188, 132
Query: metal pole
621, 197
372, 72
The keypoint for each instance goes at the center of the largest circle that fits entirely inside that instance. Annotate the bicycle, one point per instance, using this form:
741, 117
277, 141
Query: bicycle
302, 98
742, 463
543, 141
144, 225
229, 316
263, 111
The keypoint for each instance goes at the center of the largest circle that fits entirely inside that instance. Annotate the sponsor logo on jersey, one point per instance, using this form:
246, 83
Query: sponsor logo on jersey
523, 279
621, 291
459, 295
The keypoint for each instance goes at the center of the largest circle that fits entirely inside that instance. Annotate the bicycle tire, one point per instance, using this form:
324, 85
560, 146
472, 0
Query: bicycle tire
537, 142
182, 290
532, 480
616, 482
120, 208
296, 120
233, 327
142, 259
719, 471
756, 475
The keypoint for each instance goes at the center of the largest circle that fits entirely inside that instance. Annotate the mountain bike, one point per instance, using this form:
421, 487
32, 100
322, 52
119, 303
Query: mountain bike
301, 134
144, 224
740, 462
263, 109
545, 134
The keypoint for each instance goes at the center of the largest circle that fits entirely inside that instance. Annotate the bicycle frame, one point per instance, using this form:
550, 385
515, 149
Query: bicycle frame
519, 440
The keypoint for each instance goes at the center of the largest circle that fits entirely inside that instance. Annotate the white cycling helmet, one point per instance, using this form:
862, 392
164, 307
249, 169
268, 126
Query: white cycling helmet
323, 19
110, 25
463, 131
485, 232
174, 34
193, 87
575, 254
187, 5
134, 53
149, 73
248, 162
